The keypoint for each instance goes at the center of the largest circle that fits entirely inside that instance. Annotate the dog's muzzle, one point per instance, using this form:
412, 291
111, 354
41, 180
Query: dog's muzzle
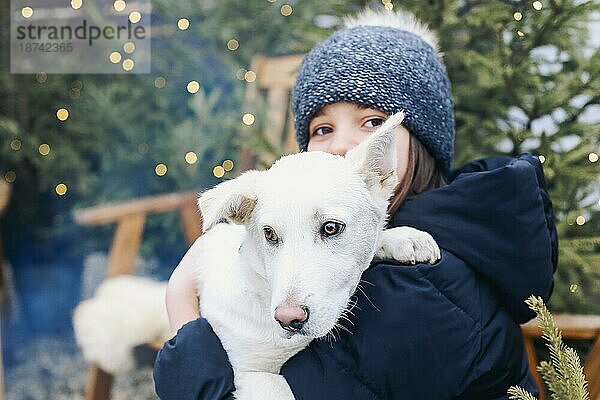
292, 317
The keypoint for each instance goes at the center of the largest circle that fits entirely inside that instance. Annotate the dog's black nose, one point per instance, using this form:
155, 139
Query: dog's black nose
291, 318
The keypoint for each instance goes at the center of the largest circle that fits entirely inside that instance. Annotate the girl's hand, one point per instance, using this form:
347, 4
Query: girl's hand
182, 301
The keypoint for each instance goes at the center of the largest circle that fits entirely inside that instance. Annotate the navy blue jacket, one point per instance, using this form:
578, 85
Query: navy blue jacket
443, 331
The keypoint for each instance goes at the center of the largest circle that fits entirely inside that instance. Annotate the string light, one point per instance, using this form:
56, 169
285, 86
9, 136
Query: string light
593, 157
115, 57
41, 77
580, 220
520, 33
191, 157
44, 149
573, 288
160, 169
386, 1
518, 16
119, 5
62, 114
76, 4
135, 17
227, 165
193, 87
389, 6
537, 5
143, 148
286, 10
10, 176
27, 12
15, 144
183, 23
248, 119
250, 76
129, 47
128, 64
233, 44
160, 82
218, 171
61, 189
542, 158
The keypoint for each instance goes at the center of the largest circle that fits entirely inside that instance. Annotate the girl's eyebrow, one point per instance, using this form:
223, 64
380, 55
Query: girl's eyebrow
319, 113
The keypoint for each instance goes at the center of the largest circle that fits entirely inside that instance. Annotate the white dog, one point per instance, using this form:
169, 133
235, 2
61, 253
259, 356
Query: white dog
310, 225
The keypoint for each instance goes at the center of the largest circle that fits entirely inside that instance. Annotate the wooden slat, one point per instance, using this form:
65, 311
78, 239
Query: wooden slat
191, 221
99, 384
126, 244
278, 72
532, 360
148, 205
591, 368
5, 190
572, 326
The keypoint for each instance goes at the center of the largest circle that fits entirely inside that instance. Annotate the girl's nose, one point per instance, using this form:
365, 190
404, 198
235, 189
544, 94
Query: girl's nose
342, 142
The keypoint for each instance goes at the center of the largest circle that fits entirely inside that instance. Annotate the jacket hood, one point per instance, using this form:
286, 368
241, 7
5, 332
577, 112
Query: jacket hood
495, 214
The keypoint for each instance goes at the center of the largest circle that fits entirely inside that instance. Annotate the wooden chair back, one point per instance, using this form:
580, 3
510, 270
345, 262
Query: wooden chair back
272, 87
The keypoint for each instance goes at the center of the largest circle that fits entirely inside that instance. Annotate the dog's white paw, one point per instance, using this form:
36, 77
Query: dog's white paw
408, 245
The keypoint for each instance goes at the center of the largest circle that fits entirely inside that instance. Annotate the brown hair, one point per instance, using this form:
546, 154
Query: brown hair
422, 174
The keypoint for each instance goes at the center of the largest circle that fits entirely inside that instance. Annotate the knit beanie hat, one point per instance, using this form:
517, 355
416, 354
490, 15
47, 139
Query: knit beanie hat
387, 61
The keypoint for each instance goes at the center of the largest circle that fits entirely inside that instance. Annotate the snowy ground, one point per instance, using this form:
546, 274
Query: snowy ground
52, 368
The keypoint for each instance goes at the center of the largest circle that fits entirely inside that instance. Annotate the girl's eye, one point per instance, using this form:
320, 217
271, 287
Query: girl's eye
323, 130
375, 122
332, 228
270, 234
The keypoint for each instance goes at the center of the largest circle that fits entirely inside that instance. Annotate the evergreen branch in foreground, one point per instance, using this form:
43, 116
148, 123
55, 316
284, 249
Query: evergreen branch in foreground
563, 374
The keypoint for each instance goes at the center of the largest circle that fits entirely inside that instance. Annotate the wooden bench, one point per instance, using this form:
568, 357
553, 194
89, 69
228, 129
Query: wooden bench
578, 327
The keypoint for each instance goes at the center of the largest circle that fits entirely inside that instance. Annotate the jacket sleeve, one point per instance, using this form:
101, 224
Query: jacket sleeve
496, 216
193, 366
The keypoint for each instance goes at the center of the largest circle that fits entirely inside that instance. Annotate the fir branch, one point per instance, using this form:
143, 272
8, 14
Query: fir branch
564, 374
518, 393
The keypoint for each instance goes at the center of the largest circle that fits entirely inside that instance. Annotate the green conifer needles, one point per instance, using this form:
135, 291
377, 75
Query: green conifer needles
563, 375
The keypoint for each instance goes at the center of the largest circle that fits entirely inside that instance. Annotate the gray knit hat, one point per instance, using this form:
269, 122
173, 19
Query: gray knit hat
383, 60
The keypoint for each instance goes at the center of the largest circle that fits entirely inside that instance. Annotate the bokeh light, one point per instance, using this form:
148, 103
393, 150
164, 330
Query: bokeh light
183, 23
193, 87
61, 189
160, 169
248, 119
191, 157
62, 114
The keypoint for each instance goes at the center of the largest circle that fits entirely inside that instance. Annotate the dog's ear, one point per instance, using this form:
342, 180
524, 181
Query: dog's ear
376, 158
233, 200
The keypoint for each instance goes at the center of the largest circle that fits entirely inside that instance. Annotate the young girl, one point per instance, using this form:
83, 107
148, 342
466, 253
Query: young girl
443, 331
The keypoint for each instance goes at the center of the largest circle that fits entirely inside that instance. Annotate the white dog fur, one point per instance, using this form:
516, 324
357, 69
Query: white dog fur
242, 277
245, 273
125, 312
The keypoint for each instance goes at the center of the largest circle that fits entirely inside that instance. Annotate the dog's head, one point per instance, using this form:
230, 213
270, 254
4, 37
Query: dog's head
314, 221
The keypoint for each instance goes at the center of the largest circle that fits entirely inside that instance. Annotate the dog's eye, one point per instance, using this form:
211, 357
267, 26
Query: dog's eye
270, 234
332, 228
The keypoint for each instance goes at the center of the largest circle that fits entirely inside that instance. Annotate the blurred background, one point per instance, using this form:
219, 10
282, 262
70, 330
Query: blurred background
525, 78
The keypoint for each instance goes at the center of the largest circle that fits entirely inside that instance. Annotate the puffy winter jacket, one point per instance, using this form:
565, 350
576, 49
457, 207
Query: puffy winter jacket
443, 331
